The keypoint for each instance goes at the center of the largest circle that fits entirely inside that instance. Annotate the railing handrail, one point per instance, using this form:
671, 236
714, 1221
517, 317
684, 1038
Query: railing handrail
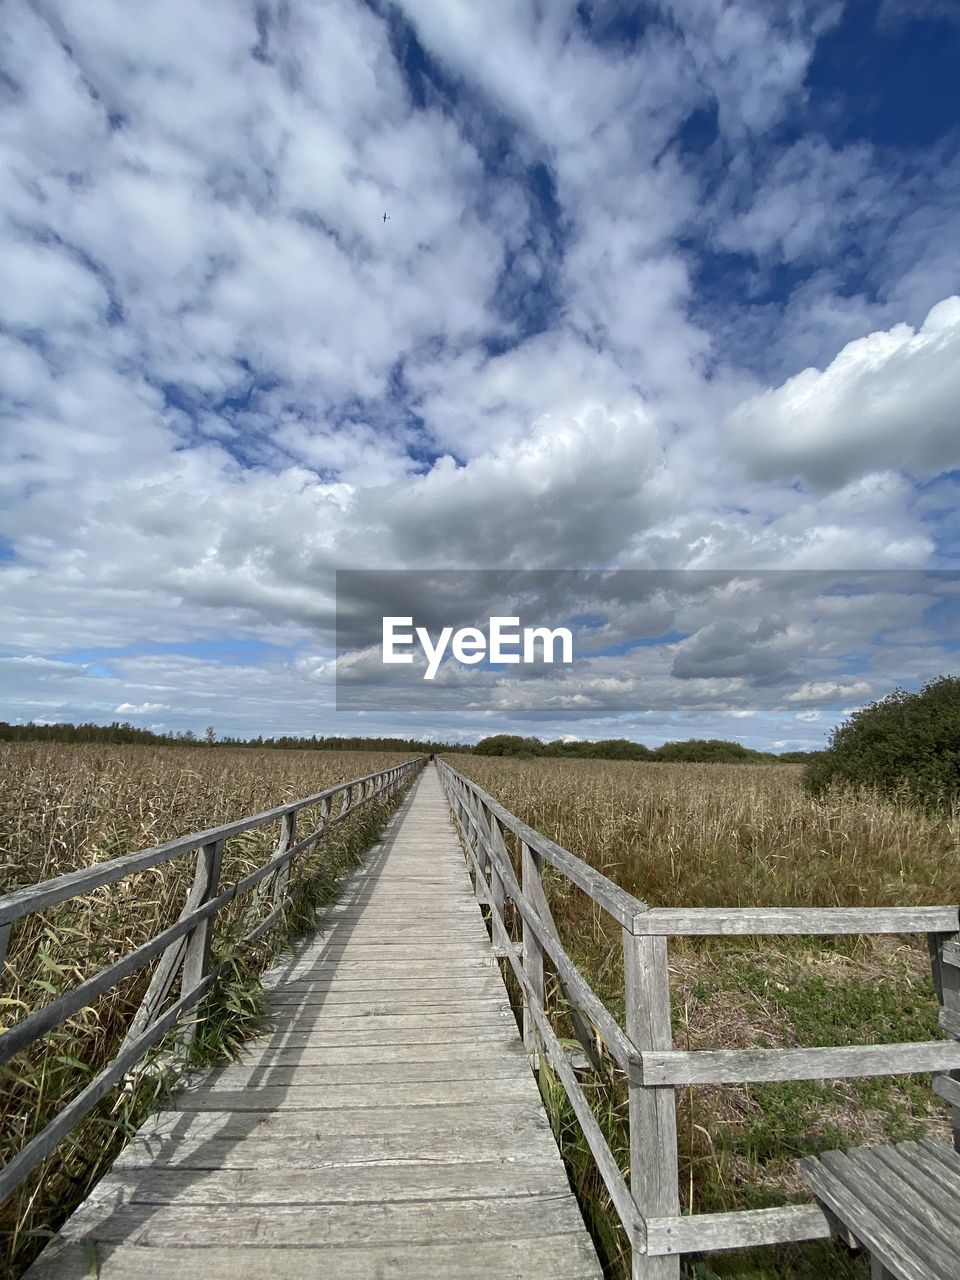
74, 884
183, 947
606, 893
649, 1208
670, 922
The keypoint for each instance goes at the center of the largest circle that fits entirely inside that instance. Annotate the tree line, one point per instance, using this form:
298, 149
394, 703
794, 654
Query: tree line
906, 744
502, 744
688, 751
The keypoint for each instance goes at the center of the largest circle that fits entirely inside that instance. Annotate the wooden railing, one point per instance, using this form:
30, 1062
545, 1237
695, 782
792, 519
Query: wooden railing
183, 949
649, 1205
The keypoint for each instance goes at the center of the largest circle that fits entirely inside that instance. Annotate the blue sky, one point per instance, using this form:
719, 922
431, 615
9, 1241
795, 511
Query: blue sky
662, 286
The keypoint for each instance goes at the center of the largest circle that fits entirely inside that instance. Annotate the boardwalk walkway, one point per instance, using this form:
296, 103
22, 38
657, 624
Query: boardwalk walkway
388, 1125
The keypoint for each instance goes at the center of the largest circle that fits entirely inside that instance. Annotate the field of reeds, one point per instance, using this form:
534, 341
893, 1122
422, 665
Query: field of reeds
64, 807
743, 835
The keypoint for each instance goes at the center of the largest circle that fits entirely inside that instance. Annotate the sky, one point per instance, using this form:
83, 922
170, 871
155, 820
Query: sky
665, 288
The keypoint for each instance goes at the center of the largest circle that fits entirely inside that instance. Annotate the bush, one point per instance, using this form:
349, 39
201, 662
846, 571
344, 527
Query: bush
709, 751
908, 743
508, 744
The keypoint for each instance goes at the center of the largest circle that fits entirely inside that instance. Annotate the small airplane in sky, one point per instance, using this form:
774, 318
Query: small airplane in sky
386, 217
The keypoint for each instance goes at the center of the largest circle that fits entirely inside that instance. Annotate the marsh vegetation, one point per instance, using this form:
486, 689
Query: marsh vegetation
706, 835
63, 807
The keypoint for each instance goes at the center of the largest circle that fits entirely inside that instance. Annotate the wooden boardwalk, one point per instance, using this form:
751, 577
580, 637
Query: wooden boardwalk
387, 1125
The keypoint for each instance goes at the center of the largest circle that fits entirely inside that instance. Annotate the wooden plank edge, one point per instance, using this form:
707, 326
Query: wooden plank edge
743, 1229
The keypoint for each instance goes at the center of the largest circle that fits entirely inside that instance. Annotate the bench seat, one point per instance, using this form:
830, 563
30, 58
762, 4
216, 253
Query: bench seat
902, 1203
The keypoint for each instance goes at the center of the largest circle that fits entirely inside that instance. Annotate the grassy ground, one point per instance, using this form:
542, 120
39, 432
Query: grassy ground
64, 807
737, 835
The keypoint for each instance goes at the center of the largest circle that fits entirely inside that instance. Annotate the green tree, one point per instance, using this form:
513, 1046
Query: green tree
709, 751
509, 744
907, 743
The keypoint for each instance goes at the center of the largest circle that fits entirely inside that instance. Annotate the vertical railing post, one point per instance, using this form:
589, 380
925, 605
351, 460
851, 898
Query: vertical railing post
196, 959
946, 983
466, 812
498, 848
532, 950
654, 1176
347, 800
288, 838
482, 849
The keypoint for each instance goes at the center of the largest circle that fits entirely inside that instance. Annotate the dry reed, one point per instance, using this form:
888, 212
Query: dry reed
64, 807
743, 835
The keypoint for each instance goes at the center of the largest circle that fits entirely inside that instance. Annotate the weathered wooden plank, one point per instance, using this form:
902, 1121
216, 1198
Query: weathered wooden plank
733, 1066
385, 915
468, 1115
294, 1077
379, 966
461, 1016
918, 1239
497, 1136
366, 1183
939, 1152
478, 980
740, 921
946, 982
289, 1226
532, 951
585, 1003
931, 1167
560, 1257
374, 1003
654, 1176
703, 1232
933, 1194
842, 1197
312, 1055
196, 956
321, 1097
931, 1234
328, 1037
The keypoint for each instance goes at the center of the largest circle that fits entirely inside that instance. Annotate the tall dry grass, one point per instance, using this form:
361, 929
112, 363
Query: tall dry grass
704, 835
742, 835
65, 807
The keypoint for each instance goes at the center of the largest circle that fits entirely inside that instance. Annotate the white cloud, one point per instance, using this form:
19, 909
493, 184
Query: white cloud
890, 400
225, 376
828, 690
810, 203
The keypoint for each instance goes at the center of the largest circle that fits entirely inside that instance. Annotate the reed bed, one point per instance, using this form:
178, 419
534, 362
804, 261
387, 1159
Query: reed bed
63, 807
744, 835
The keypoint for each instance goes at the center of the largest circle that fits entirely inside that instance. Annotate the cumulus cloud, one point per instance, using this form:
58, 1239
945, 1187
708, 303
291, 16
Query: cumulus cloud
889, 400
828, 690
225, 376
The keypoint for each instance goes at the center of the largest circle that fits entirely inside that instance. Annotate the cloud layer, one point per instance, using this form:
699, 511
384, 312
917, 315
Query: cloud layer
637, 303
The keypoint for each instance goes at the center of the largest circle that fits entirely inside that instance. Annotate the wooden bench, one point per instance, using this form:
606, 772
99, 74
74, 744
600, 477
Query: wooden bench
901, 1203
